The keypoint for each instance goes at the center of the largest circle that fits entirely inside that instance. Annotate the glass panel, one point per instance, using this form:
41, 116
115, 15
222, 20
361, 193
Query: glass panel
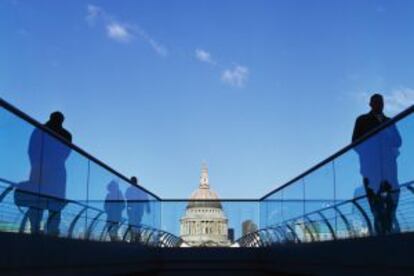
64, 176
405, 159
350, 221
128, 209
381, 160
321, 226
405, 153
293, 201
15, 170
364, 218
271, 210
61, 192
77, 173
319, 189
105, 193
378, 157
142, 207
348, 177
96, 219
243, 217
172, 213
405, 210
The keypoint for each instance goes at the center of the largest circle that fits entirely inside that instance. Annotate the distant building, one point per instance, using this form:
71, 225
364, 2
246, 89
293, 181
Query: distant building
248, 226
230, 234
204, 222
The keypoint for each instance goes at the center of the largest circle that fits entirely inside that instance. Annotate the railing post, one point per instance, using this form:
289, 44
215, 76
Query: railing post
364, 214
73, 223
328, 224
90, 228
6, 192
349, 227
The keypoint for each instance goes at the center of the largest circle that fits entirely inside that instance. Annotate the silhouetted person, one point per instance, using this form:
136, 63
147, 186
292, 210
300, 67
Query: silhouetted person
137, 203
378, 165
114, 205
47, 182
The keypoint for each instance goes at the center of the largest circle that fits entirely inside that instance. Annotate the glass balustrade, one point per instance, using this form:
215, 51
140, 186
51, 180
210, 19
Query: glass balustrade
334, 197
50, 186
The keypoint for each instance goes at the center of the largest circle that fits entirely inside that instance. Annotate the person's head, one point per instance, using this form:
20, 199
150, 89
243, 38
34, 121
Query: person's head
134, 180
112, 186
377, 103
56, 118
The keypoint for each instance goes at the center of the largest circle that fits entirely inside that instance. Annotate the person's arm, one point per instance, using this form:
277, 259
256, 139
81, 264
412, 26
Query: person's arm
68, 137
358, 130
106, 205
35, 146
392, 135
396, 137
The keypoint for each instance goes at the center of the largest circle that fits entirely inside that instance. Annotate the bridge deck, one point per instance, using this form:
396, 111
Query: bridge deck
365, 256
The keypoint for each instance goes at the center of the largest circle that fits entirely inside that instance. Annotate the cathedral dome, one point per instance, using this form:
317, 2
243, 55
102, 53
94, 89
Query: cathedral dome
204, 222
204, 196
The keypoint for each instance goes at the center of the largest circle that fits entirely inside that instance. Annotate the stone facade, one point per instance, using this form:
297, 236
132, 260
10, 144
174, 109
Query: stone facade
204, 222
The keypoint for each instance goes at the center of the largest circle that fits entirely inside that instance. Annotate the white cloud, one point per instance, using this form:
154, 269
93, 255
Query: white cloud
121, 32
204, 56
157, 47
236, 77
118, 32
399, 99
93, 13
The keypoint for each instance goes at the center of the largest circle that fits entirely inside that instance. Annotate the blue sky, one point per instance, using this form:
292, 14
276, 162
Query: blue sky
260, 90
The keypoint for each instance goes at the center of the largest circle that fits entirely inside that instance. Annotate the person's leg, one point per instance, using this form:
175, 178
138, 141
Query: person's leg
109, 229
377, 212
131, 222
138, 232
134, 220
376, 207
131, 233
134, 234
114, 231
390, 201
140, 214
391, 188
35, 217
392, 205
53, 222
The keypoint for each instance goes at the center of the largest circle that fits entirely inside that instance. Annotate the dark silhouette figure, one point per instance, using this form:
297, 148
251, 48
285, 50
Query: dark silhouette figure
137, 203
114, 205
46, 187
378, 165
